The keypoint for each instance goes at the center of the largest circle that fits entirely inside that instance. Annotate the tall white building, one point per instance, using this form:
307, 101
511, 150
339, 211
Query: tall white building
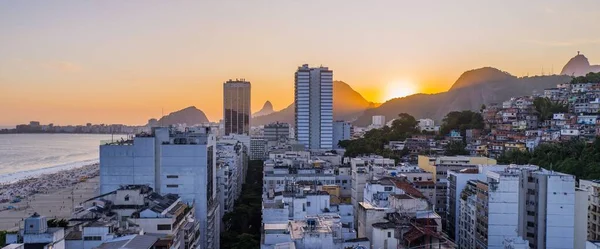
378, 121
181, 163
547, 209
341, 131
314, 107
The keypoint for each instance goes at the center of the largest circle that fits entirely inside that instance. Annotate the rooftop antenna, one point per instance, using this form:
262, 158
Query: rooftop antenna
162, 114
542, 70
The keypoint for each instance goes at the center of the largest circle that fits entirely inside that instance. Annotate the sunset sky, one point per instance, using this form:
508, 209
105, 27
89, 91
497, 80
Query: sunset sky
73, 62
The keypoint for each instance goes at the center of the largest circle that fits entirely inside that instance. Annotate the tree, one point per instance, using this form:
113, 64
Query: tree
2, 238
545, 108
374, 141
588, 78
461, 121
576, 157
455, 148
57, 223
246, 241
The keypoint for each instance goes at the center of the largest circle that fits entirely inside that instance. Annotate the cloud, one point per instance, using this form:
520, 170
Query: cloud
577, 42
64, 66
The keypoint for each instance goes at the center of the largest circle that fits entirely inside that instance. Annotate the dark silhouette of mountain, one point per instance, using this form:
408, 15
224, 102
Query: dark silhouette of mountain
347, 105
479, 76
190, 116
471, 90
579, 66
265, 110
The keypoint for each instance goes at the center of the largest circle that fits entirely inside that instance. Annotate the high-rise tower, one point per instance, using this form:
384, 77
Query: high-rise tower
314, 107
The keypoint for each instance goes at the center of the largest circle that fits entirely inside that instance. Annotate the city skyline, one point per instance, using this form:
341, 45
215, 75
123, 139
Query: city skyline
74, 63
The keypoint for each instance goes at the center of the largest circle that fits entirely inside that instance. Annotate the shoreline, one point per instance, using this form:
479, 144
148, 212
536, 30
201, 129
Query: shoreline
9, 178
47, 182
54, 195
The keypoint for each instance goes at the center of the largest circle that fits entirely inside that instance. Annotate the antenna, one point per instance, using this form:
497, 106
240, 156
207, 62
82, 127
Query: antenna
162, 114
542, 70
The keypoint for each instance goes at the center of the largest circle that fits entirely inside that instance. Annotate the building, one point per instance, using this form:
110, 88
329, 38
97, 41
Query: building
314, 231
378, 121
439, 167
276, 131
313, 103
592, 188
37, 234
236, 107
341, 131
427, 124
182, 163
546, 209
134, 210
258, 149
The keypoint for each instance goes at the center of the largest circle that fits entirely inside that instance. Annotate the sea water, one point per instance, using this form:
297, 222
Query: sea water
28, 155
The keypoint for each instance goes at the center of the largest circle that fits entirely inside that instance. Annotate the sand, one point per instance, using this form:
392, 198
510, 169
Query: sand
54, 203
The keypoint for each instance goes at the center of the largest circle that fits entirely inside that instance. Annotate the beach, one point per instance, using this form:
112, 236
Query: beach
52, 195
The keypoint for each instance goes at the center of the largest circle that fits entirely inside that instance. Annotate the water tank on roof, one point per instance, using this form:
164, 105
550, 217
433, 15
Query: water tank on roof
36, 224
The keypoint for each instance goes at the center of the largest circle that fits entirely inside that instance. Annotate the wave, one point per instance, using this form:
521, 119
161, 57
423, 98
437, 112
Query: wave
16, 176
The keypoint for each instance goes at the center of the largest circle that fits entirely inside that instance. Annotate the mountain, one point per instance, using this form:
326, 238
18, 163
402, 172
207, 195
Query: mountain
190, 116
472, 89
579, 66
265, 110
479, 76
347, 105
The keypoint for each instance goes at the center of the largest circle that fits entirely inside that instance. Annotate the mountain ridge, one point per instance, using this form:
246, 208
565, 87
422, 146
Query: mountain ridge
189, 115
348, 104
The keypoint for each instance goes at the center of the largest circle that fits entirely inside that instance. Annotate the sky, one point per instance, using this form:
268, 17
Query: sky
74, 62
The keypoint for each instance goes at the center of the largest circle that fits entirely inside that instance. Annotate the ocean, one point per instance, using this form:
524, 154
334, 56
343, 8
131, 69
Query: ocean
26, 155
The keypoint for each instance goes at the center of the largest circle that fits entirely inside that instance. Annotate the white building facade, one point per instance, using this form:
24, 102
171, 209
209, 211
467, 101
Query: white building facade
313, 104
182, 163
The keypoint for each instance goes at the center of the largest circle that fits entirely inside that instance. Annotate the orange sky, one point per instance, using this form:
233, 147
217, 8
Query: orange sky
122, 62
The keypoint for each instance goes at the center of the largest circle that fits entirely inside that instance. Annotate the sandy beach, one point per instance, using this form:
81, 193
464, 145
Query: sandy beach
52, 195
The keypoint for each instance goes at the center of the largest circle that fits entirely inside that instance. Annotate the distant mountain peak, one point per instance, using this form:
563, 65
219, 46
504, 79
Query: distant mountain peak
480, 75
265, 110
189, 115
579, 65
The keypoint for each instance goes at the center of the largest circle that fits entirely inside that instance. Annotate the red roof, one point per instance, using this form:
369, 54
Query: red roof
408, 188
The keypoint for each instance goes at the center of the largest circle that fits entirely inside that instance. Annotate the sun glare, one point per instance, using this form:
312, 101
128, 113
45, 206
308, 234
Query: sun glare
399, 89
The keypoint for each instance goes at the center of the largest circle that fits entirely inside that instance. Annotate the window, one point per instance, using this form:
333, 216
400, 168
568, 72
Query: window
389, 234
163, 227
96, 238
126, 198
172, 176
308, 203
172, 185
387, 189
344, 181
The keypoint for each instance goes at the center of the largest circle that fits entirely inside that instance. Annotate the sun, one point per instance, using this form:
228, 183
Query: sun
398, 89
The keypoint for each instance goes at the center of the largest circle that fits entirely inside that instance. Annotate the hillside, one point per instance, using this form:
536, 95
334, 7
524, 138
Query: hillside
190, 116
471, 90
347, 105
579, 66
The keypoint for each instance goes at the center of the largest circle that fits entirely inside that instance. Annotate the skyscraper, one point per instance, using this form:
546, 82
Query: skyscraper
313, 104
236, 107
